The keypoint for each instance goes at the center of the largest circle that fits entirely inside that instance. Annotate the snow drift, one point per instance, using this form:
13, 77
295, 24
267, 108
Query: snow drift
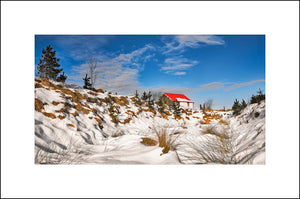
79, 126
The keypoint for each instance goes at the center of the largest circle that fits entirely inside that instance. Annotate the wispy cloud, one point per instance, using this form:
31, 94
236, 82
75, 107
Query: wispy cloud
118, 73
243, 84
180, 73
177, 65
180, 42
212, 85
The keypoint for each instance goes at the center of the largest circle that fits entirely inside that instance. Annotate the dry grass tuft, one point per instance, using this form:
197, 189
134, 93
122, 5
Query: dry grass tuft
63, 110
212, 131
37, 85
177, 117
225, 122
55, 103
92, 100
202, 122
75, 114
38, 105
61, 117
98, 120
129, 112
71, 125
149, 141
99, 90
127, 120
166, 141
51, 115
92, 93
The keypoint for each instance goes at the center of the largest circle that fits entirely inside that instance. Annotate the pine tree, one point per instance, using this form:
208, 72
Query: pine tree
136, 94
176, 108
62, 78
48, 66
144, 96
236, 107
244, 104
87, 84
160, 104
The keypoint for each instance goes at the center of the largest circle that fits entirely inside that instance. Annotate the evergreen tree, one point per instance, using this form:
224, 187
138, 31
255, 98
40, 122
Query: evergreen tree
48, 66
257, 98
87, 83
160, 104
236, 107
144, 96
136, 94
176, 108
62, 78
150, 102
244, 104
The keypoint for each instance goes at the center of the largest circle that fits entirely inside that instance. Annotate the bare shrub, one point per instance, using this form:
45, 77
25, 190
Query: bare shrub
166, 140
213, 147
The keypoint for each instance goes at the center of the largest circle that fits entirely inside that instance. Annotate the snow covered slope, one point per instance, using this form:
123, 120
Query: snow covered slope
79, 126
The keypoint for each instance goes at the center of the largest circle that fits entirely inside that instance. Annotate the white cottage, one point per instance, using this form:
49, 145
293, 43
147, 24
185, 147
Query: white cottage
184, 102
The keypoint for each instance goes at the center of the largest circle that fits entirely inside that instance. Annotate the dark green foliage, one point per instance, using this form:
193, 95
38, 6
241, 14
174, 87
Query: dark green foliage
87, 83
48, 66
150, 102
244, 104
62, 78
257, 98
144, 96
136, 94
176, 108
160, 105
236, 107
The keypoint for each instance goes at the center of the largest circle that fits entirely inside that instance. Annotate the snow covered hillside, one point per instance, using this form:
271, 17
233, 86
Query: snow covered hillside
80, 126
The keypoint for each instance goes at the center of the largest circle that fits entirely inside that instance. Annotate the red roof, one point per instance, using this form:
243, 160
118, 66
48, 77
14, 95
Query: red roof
173, 96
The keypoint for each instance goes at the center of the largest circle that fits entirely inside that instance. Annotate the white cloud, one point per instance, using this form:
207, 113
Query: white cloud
177, 65
180, 73
116, 73
243, 84
180, 42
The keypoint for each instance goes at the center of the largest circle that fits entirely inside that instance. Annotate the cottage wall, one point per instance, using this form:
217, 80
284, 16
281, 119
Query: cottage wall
187, 105
166, 100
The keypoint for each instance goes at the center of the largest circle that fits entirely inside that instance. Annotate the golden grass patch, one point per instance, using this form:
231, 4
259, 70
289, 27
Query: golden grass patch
130, 112
38, 105
99, 90
55, 103
51, 115
37, 85
75, 114
92, 93
98, 120
61, 117
149, 141
71, 125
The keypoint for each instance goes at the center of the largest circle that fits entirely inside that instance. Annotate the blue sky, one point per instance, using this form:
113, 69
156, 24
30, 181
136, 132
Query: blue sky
217, 67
